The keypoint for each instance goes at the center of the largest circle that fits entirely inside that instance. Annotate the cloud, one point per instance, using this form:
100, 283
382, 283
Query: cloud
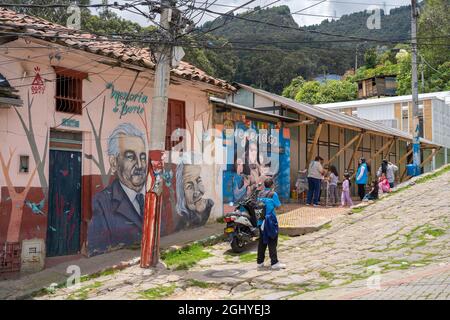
317, 12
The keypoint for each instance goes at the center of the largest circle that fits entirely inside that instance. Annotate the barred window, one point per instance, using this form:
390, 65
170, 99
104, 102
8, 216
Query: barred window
69, 93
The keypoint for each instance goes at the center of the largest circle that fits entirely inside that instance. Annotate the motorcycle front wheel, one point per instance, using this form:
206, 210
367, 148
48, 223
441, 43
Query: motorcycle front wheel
237, 245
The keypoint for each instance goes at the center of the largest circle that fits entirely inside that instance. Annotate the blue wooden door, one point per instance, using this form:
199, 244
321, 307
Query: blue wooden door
64, 217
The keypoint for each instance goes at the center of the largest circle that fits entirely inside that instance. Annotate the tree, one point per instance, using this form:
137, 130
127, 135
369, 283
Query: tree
370, 58
308, 92
292, 89
314, 92
433, 31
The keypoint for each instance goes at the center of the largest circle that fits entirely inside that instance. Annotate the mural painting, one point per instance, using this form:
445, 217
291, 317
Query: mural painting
106, 211
23, 212
256, 151
192, 208
117, 211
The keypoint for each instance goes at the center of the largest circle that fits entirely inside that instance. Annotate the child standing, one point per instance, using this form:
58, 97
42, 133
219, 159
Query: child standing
269, 229
383, 184
346, 200
334, 179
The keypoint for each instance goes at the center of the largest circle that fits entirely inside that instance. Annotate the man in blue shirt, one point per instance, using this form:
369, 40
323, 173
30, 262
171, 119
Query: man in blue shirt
269, 227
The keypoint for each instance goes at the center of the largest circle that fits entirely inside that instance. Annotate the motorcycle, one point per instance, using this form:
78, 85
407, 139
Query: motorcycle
242, 222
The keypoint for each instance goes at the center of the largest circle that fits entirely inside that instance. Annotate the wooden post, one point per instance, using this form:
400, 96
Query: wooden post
343, 149
389, 150
384, 147
403, 158
430, 156
314, 144
361, 137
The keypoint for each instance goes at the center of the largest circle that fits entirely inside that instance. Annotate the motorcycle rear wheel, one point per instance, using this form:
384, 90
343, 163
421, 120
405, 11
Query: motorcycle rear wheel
237, 245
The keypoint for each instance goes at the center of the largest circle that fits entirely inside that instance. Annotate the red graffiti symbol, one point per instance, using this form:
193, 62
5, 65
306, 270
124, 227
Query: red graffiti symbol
38, 86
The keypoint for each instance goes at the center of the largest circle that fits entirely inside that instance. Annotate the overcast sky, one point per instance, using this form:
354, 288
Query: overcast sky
313, 11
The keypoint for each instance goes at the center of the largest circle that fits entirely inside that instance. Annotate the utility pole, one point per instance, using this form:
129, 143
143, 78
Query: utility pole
157, 121
171, 22
414, 84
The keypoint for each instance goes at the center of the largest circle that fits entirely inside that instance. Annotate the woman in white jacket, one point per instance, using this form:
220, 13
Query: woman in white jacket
389, 169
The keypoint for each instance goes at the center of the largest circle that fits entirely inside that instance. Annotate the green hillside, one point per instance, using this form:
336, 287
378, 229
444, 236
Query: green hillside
269, 57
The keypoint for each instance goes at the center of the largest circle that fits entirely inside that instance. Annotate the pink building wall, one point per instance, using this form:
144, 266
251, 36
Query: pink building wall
33, 223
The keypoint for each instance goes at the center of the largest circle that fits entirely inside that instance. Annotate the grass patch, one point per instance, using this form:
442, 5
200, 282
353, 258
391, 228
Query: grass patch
103, 273
327, 225
434, 232
158, 292
358, 210
220, 220
369, 262
326, 275
83, 293
248, 257
433, 175
185, 258
48, 290
199, 284
283, 237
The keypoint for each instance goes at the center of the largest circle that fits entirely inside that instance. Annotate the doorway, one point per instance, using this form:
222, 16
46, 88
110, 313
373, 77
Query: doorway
64, 214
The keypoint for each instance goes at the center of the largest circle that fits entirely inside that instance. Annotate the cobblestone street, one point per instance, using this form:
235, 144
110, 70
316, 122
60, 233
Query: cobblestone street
396, 248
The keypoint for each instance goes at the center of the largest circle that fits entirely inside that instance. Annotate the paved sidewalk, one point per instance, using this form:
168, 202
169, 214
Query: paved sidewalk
27, 284
404, 236
426, 283
306, 219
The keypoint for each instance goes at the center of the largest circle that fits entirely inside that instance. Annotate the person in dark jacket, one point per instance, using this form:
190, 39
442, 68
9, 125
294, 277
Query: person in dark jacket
269, 227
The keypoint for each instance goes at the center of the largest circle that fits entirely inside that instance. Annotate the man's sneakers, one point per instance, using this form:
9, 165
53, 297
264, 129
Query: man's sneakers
278, 266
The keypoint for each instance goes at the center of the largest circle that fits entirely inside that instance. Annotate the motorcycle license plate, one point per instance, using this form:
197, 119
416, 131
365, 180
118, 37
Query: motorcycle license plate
229, 230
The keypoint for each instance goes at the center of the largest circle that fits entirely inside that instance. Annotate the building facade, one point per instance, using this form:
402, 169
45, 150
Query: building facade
396, 112
73, 153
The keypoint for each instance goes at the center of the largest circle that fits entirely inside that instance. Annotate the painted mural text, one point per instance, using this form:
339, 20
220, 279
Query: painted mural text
135, 102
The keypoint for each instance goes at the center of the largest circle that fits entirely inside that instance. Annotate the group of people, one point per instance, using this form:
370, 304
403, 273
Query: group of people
384, 183
317, 175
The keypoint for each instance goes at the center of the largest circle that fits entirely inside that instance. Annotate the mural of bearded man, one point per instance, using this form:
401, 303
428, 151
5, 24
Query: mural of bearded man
192, 209
118, 210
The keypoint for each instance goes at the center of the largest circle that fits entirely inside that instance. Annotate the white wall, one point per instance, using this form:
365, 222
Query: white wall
379, 112
441, 122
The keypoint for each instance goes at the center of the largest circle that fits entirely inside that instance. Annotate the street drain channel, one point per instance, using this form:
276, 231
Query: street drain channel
225, 273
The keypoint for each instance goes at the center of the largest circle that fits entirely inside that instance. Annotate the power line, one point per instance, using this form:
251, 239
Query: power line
287, 27
231, 13
311, 6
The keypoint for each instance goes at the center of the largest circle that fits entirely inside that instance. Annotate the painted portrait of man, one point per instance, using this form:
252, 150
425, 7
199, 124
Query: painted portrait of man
118, 210
192, 208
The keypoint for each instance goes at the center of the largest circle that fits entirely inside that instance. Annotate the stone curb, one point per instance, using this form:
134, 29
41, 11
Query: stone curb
298, 231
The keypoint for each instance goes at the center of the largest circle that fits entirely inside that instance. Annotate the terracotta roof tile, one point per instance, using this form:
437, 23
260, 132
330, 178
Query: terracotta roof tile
40, 28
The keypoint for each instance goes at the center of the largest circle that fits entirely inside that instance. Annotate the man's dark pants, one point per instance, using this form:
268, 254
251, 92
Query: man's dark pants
361, 191
272, 244
313, 190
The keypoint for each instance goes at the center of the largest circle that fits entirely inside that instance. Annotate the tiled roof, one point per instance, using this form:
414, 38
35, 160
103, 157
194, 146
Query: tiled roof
11, 21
